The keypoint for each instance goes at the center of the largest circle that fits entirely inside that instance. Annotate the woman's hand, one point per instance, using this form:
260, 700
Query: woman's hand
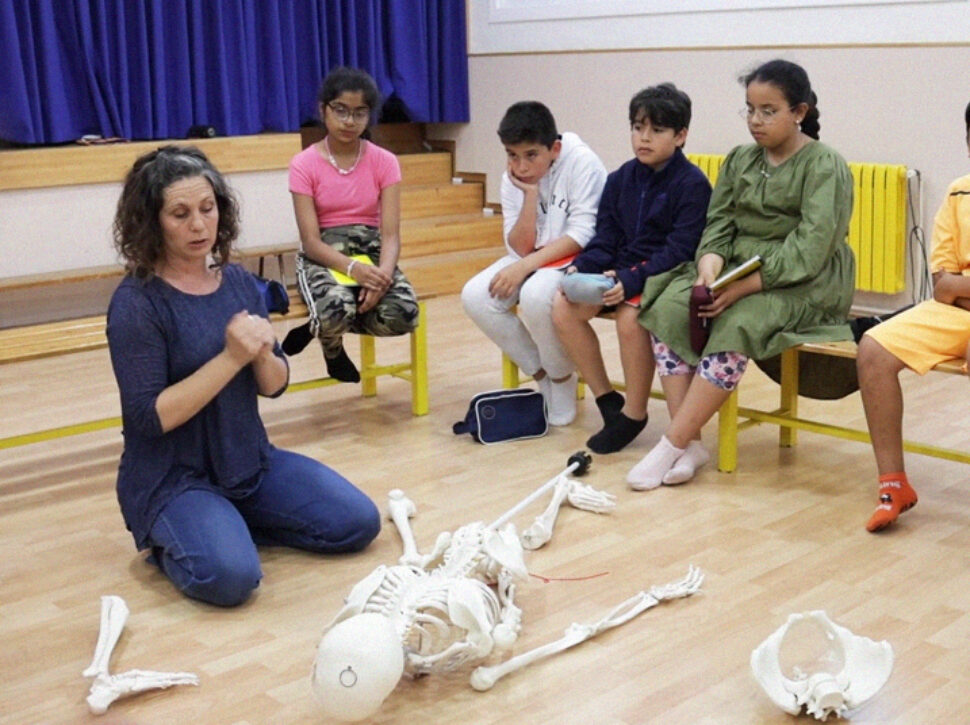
507, 281
615, 294
247, 336
708, 268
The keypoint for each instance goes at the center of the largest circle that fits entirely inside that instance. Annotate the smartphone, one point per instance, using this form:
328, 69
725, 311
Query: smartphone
737, 273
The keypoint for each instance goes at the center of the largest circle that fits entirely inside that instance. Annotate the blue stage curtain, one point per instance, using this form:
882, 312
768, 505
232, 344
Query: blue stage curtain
150, 69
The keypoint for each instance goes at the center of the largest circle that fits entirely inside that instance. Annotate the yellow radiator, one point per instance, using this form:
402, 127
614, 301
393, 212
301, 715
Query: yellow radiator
877, 230
710, 164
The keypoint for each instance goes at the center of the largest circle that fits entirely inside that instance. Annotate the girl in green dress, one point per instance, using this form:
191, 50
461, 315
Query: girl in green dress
786, 198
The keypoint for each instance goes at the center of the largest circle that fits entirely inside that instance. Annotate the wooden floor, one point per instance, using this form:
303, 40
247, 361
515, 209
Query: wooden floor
783, 534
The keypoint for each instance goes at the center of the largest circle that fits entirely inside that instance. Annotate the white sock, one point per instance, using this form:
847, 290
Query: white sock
694, 456
652, 468
560, 399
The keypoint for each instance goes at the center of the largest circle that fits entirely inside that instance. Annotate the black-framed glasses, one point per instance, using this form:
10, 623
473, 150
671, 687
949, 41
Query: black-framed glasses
344, 114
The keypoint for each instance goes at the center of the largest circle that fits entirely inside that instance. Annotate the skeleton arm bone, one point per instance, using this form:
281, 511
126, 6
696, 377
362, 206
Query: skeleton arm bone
510, 617
483, 678
400, 509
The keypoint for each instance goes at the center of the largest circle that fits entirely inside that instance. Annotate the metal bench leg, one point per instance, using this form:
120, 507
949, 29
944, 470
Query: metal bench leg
510, 372
788, 436
419, 364
368, 383
727, 434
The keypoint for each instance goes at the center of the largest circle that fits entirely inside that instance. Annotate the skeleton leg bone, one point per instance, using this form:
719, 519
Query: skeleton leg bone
539, 533
576, 494
483, 678
578, 462
114, 616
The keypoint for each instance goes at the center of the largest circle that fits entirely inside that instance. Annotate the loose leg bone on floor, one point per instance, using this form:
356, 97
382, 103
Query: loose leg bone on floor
540, 532
578, 495
114, 615
106, 688
483, 678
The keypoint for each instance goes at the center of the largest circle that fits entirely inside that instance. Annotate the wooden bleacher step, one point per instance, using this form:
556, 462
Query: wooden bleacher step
451, 233
426, 200
425, 168
446, 274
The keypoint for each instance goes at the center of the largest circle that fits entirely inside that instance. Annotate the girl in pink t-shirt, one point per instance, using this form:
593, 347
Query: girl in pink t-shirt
347, 199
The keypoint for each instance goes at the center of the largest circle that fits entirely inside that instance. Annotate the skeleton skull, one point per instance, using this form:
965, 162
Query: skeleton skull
358, 663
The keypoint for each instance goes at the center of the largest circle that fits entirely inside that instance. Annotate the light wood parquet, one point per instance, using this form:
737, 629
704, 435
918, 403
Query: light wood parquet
782, 534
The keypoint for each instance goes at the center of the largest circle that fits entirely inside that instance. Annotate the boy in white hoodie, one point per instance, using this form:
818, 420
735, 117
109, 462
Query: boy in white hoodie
550, 193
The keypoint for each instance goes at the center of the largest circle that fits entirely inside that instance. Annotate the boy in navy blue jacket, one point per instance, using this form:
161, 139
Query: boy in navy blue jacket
650, 219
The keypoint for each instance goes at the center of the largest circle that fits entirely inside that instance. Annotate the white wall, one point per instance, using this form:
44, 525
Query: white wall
69, 227
890, 105
524, 26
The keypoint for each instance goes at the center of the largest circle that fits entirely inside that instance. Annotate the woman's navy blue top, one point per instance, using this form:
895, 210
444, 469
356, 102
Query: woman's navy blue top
158, 336
648, 221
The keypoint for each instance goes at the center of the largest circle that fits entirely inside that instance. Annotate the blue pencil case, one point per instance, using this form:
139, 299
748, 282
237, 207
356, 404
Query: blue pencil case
586, 288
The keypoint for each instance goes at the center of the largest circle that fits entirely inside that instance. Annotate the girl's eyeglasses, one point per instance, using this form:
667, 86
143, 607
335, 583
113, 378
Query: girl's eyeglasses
344, 114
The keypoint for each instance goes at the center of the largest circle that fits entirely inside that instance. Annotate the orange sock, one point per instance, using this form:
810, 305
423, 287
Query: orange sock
895, 496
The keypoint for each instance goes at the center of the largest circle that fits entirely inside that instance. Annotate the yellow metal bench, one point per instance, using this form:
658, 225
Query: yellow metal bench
32, 342
732, 418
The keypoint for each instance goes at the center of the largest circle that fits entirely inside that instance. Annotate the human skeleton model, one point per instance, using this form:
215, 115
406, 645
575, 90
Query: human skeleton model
436, 612
106, 688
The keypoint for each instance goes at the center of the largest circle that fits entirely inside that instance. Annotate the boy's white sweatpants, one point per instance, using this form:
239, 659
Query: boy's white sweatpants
529, 338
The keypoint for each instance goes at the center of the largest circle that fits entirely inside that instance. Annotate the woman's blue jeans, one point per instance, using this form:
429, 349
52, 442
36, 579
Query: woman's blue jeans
206, 543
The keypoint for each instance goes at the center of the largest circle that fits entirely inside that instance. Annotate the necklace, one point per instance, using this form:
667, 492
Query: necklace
333, 161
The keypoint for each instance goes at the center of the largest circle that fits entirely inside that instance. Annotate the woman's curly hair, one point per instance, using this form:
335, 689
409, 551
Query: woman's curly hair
138, 235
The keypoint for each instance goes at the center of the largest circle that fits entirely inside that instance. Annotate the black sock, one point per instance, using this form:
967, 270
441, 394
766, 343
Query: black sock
297, 339
610, 405
342, 368
616, 434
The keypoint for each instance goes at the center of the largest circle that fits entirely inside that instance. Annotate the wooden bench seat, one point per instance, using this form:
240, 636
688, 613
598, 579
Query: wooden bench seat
30, 342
